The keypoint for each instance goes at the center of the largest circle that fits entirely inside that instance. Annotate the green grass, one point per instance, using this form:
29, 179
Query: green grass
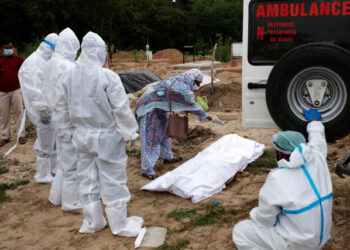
107, 248
3, 170
3, 163
208, 215
135, 153
5, 186
74, 230
213, 213
264, 163
181, 213
180, 244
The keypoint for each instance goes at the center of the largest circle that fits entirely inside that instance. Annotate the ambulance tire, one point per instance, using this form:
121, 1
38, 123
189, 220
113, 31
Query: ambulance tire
284, 94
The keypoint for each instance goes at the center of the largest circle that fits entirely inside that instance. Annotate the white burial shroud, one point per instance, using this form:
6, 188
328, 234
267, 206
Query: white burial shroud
207, 173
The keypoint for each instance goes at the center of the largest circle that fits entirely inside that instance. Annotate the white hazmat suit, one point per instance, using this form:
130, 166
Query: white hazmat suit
295, 203
31, 78
100, 112
65, 189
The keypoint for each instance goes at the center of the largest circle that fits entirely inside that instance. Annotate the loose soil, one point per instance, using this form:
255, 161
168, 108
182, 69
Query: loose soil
30, 221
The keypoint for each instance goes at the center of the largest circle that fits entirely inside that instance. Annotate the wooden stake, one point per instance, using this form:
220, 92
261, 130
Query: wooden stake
212, 69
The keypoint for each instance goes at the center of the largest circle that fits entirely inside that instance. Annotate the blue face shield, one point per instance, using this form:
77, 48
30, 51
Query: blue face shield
52, 46
7, 52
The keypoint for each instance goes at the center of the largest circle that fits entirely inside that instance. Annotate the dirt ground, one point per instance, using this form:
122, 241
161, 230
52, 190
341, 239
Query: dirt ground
29, 221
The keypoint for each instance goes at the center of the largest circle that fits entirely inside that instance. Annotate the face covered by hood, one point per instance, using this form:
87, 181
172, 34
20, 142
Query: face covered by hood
186, 80
47, 46
67, 44
93, 49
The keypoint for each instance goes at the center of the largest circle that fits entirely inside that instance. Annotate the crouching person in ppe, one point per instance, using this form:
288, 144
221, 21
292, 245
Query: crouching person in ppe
31, 77
64, 189
100, 112
295, 203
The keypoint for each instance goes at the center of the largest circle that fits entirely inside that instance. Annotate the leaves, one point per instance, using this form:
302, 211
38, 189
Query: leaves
128, 24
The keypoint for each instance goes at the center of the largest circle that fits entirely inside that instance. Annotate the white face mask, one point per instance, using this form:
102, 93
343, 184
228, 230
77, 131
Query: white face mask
7, 52
195, 87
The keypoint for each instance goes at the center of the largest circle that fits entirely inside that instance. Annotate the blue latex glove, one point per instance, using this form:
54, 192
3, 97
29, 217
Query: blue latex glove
312, 114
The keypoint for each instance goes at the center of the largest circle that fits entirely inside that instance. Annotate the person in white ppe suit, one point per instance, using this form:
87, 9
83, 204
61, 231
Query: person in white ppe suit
31, 77
295, 203
100, 112
65, 187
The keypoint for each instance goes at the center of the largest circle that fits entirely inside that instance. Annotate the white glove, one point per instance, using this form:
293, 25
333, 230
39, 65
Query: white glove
216, 120
45, 116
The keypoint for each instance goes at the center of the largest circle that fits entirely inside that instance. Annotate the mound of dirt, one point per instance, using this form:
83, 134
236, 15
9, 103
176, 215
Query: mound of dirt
128, 56
199, 131
197, 135
174, 55
226, 97
228, 76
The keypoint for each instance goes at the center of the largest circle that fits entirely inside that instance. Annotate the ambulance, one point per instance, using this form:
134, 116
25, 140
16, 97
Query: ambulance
296, 55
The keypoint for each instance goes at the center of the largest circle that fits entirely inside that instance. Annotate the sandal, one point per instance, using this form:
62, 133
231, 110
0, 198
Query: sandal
150, 176
174, 160
22, 140
4, 141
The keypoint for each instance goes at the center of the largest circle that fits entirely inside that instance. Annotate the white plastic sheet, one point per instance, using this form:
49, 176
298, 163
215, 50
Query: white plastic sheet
21, 128
207, 173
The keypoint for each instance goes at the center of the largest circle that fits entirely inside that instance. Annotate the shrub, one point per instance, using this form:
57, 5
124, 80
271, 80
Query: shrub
223, 49
29, 48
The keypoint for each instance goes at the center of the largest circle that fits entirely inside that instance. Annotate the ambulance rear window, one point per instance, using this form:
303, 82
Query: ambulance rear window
277, 26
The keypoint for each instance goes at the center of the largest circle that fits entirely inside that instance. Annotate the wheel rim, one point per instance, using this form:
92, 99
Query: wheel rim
333, 101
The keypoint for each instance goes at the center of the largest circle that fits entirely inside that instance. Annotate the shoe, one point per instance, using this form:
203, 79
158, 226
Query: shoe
22, 140
150, 176
174, 160
4, 141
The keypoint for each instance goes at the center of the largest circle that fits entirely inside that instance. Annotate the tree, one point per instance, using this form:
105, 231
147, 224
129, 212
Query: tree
128, 24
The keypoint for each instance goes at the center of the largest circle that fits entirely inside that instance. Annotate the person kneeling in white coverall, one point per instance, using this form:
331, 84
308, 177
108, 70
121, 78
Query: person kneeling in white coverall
65, 189
100, 112
295, 203
31, 78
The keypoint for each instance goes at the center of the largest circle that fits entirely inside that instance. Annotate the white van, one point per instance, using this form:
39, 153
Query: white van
296, 54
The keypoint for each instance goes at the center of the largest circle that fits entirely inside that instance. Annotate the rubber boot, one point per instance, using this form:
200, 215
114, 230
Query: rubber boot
43, 174
133, 226
55, 196
93, 218
70, 197
120, 224
116, 216
53, 165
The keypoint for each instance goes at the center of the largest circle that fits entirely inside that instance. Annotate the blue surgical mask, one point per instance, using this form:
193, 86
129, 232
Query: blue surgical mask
7, 52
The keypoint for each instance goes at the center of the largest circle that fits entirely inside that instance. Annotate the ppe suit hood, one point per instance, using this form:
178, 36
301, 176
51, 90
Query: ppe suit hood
299, 156
44, 49
94, 49
67, 44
